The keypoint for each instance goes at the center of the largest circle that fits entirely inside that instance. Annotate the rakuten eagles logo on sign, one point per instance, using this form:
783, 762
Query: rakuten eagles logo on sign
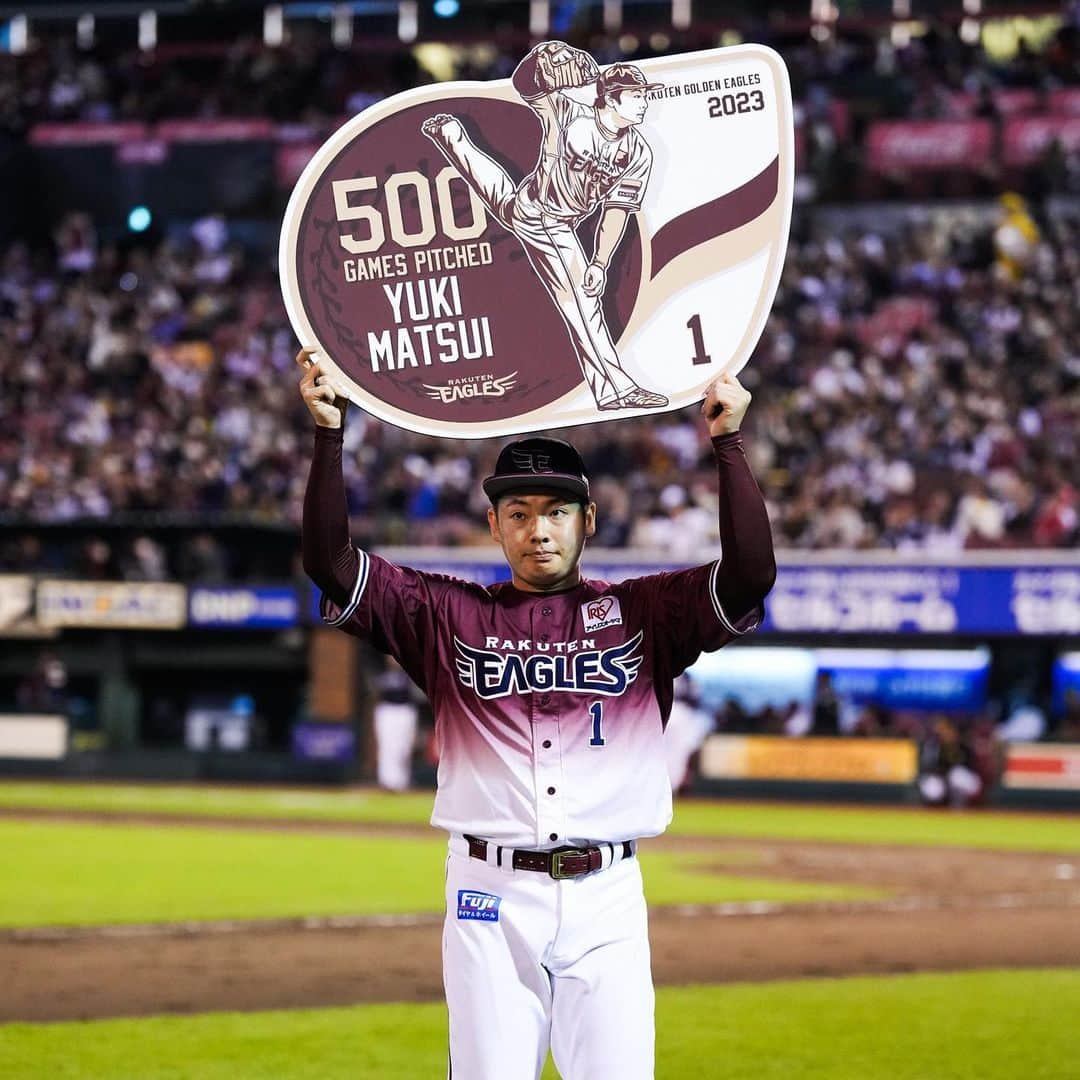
470, 387
574, 667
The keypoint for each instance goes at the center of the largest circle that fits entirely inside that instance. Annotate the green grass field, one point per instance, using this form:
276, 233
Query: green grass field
975, 1026
87, 874
984, 1026
855, 825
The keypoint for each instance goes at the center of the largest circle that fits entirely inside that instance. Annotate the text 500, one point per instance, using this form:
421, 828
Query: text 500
372, 218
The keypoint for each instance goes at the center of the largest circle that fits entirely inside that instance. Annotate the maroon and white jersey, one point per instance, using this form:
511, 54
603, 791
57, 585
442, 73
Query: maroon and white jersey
582, 166
549, 708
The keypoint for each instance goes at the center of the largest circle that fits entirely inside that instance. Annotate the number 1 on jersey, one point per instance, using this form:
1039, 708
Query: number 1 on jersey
596, 711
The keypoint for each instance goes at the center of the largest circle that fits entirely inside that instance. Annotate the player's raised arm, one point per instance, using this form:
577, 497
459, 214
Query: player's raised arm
747, 567
330, 559
551, 66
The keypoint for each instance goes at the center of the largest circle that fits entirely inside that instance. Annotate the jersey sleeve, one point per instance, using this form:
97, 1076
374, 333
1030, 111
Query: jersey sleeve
629, 190
394, 608
687, 616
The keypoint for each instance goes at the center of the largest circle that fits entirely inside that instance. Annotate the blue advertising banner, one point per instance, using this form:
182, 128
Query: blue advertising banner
950, 680
946, 679
1065, 681
259, 607
926, 600
323, 742
869, 598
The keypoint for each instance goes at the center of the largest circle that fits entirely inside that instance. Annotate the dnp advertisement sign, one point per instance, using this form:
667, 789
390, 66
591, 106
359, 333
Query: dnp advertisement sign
259, 607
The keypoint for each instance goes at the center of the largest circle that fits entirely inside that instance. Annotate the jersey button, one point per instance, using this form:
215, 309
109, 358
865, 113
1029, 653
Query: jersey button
545, 699
553, 836
545, 637
546, 744
545, 611
551, 791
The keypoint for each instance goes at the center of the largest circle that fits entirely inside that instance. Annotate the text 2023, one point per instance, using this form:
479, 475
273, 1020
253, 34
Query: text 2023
733, 104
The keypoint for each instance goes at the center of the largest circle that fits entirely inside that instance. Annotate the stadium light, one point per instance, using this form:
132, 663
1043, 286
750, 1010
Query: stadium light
18, 35
681, 14
408, 21
612, 15
273, 25
539, 17
341, 26
900, 31
446, 9
139, 219
970, 29
84, 31
822, 14
148, 31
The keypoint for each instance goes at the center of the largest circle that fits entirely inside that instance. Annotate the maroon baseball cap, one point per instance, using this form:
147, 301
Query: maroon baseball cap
536, 465
623, 77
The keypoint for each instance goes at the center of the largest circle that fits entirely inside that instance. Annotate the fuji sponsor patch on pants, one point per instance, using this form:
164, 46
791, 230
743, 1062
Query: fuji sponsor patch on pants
601, 613
478, 906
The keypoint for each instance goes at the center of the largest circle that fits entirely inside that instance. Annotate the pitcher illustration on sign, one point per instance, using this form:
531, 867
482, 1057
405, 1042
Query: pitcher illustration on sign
591, 156
569, 245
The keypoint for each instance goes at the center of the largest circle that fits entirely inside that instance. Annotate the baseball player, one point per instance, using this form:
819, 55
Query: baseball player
395, 721
687, 728
591, 155
549, 693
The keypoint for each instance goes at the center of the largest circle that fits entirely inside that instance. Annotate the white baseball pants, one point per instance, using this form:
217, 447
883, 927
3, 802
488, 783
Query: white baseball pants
559, 964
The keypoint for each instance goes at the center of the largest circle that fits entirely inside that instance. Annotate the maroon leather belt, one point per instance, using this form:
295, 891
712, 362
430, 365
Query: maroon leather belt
564, 862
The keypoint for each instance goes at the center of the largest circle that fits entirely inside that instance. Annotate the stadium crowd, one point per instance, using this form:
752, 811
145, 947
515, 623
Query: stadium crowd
309, 80
915, 390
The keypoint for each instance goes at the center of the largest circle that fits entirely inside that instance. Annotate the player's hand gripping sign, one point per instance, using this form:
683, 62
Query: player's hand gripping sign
570, 245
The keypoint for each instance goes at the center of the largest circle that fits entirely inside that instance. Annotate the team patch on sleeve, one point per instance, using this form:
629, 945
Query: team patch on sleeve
628, 191
601, 613
477, 906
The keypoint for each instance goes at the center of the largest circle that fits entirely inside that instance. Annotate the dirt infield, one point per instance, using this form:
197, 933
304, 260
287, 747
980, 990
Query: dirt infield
949, 909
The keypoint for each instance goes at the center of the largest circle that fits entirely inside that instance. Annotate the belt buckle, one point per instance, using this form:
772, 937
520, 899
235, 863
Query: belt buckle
557, 871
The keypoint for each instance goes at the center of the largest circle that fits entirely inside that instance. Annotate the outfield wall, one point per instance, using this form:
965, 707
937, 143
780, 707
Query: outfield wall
241, 682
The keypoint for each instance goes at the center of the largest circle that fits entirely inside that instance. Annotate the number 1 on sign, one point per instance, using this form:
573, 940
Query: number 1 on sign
700, 355
596, 711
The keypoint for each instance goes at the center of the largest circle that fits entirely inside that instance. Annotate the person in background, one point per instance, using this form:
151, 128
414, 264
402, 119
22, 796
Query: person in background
396, 716
949, 776
687, 728
45, 688
826, 707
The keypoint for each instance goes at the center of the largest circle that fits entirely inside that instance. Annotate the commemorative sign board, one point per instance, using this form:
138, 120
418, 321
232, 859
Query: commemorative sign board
569, 245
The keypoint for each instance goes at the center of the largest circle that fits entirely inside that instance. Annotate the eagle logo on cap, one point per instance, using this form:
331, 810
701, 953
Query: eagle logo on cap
527, 461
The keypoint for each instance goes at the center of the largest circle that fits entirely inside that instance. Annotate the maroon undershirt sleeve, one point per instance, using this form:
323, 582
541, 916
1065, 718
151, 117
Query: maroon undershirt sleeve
330, 558
747, 565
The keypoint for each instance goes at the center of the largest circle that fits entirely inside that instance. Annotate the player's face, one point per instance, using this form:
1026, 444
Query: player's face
631, 105
542, 537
